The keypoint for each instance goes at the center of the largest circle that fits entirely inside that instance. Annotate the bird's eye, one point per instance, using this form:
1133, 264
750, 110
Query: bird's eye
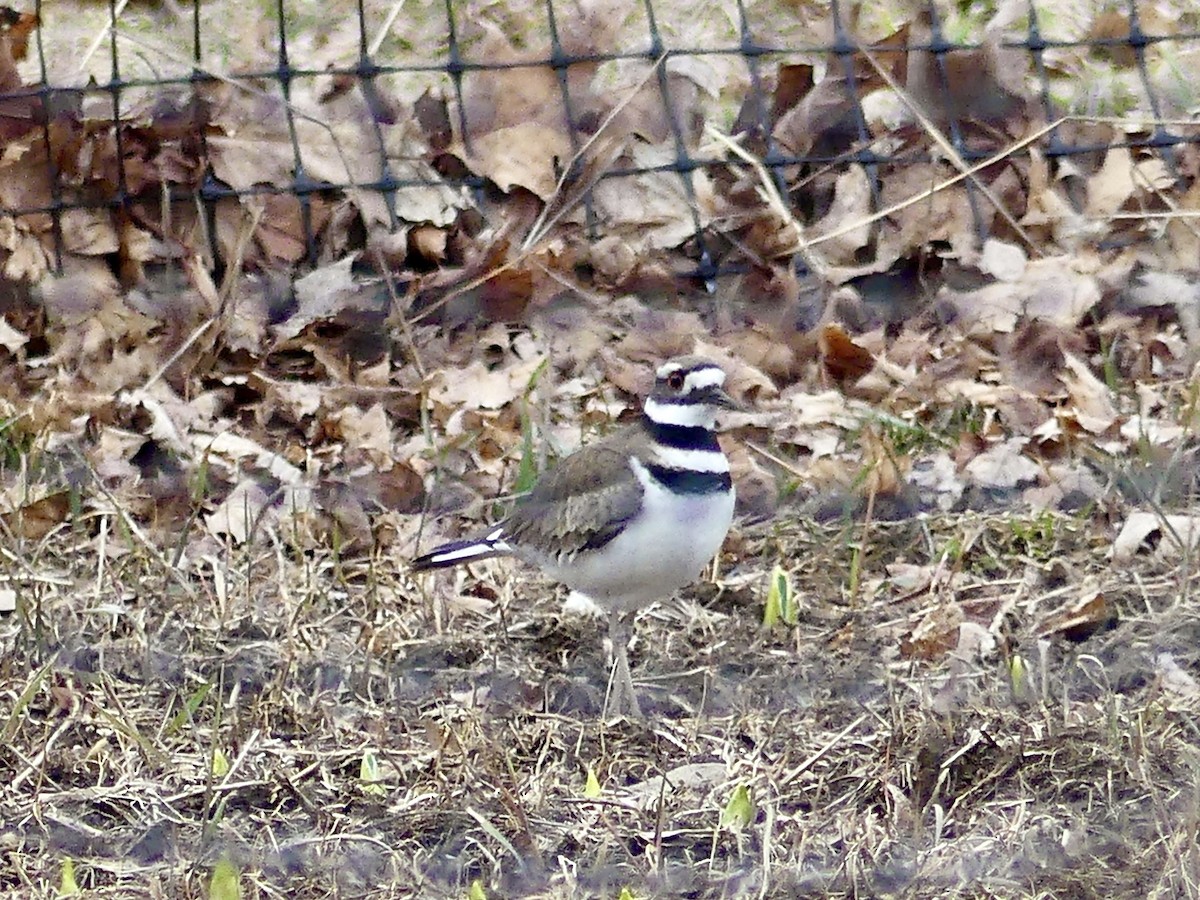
675, 381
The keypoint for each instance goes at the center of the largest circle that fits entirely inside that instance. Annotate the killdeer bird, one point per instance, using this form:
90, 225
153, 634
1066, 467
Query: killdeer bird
629, 519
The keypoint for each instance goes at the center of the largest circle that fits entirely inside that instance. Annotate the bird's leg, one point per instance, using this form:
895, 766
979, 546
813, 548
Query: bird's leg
621, 694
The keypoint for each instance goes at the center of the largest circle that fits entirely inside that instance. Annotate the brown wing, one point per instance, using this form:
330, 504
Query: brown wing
580, 504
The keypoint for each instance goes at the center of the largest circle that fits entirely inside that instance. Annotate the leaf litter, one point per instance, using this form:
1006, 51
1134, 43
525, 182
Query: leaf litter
971, 460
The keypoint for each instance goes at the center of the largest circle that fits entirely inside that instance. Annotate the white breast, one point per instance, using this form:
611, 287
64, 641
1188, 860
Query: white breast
662, 549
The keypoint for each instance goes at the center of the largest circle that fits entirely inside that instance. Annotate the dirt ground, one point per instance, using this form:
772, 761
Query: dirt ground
329, 728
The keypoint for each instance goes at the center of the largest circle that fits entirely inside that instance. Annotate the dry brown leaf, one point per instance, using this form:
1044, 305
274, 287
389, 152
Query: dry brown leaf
984, 84
21, 110
1003, 465
515, 118
824, 113
168, 418
347, 509
614, 260
653, 211
935, 635
238, 515
89, 232
1112, 33
1068, 486
1091, 401
245, 319
480, 386
771, 235
33, 521
1159, 534
852, 202
283, 226
762, 350
18, 27
321, 295
1121, 177
1150, 289
757, 489
232, 450
1058, 290
947, 215
691, 783
1033, 357
506, 295
656, 335
528, 155
818, 422
1156, 432
367, 431
293, 401
82, 293
844, 361
428, 243
28, 257
1182, 233
1046, 205
826, 408
1080, 619
254, 145
111, 451
1051, 291
885, 470
1002, 260
910, 578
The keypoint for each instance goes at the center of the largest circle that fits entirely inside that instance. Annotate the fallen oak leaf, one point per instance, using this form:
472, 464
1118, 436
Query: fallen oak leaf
237, 516
1120, 178
1091, 399
844, 361
476, 386
366, 431
527, 155
935, 635
1003, 465
33, 521
1147, 530
231, 449
1080, 619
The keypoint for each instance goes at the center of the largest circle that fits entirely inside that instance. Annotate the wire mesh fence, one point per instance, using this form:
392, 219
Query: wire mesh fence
449, 145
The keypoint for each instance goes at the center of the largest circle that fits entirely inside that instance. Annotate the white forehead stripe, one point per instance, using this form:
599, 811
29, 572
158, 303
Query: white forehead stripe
701, 375
702, 378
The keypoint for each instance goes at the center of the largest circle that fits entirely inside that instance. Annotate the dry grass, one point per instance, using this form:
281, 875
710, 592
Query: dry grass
868, 775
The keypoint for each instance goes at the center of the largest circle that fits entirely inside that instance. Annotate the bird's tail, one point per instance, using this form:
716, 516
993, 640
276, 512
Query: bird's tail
456, 552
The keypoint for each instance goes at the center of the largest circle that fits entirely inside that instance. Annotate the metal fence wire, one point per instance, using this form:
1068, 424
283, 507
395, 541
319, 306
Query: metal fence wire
422, 138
